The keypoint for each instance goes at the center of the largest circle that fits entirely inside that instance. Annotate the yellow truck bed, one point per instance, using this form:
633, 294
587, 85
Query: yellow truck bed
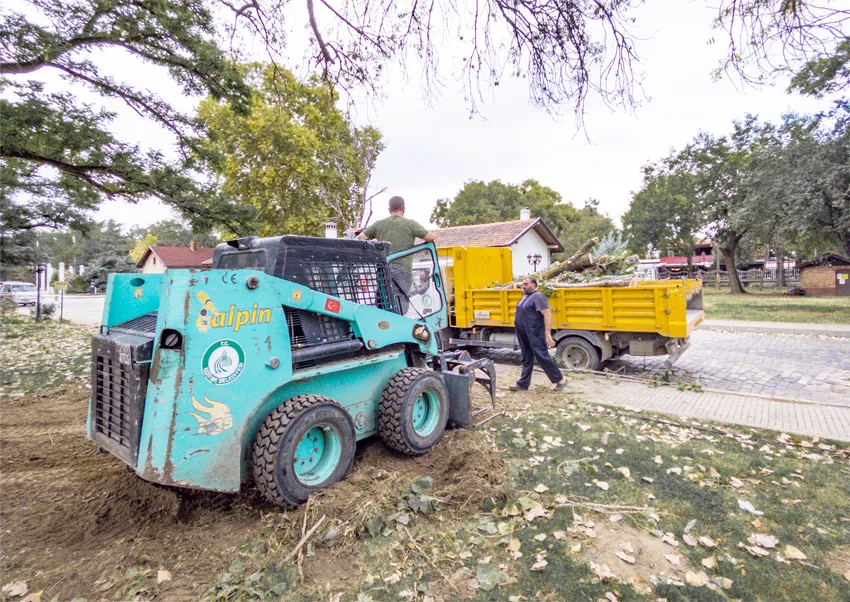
650, 318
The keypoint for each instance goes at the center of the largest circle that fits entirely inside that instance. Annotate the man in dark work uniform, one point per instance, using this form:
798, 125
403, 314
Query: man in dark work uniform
534, 331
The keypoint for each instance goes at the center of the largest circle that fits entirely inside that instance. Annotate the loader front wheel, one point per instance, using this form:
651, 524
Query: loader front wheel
413, 411
305, 444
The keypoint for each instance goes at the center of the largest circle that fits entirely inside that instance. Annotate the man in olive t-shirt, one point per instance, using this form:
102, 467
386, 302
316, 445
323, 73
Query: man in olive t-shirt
401, 233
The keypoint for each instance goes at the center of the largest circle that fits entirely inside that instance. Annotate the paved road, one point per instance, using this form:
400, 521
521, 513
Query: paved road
82, 309
804, 368
794, 367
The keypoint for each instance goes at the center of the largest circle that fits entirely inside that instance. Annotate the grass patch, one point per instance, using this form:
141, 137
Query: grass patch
771, 306
42, 355
603, 504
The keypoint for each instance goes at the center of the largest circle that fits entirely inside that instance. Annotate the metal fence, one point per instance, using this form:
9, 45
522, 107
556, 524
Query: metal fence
759, 277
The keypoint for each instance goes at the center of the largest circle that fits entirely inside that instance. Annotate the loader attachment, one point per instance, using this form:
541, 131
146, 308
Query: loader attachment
460, 371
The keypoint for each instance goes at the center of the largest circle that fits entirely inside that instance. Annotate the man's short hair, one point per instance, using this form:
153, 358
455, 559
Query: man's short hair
396, 204
532, 279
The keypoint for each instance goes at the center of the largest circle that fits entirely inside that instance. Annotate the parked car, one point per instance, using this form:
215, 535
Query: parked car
23, 293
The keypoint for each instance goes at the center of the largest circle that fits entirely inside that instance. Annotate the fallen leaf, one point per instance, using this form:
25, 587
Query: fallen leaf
393, 579
647, 479
724, 582
602, 571
540, 537
847, 575
673, 559
623, 470
489, 576
713, 473
765, 541
709, 563
615, 518
670, 539
736, 483
611, 597
690, 540
658, 460
696, 579
17, 588
690, 525
756, 551
576, 548
627, 547
602, 485
793, 553
537, 511
676, 471
514, 545
744, 505
539, 565
625, 557
707, 542
541, 488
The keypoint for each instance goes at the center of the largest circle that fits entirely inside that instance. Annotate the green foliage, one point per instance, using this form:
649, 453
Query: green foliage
8, 305
589, 222
826, 74
47, 310
296, 159
176, 233
480, 203
59, 157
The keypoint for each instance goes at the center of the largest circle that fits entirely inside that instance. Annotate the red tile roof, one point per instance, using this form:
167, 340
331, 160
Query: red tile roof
177, 257
499, 234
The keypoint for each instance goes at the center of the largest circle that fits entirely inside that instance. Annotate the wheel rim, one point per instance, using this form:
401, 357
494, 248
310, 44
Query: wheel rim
575, 357
317, 454
426, 413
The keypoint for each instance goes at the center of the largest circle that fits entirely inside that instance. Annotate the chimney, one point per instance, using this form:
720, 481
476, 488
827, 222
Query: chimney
193, 245
330, 230
524, 213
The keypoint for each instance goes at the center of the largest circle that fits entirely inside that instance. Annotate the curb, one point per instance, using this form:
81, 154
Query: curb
836, 331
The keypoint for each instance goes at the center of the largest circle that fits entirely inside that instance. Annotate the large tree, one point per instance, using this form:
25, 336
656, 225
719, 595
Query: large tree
59, 156
664, 215
484, 203
296, 158
587, 223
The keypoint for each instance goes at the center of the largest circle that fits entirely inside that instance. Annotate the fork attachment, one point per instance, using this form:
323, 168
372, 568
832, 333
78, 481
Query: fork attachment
460, 371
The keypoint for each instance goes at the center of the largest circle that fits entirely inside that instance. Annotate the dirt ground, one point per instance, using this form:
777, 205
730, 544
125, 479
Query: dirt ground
75, 519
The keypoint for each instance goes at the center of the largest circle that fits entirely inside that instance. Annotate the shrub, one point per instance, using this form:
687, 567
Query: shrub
8, 305
47, 311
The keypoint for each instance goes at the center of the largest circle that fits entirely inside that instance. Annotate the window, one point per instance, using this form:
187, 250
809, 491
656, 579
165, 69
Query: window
154, 260
23, 288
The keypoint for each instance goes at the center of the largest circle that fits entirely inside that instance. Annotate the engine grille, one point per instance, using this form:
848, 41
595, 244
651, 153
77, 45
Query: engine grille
119, 387
145, 323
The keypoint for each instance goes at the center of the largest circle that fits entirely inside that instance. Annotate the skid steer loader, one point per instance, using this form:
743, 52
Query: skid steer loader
270, 366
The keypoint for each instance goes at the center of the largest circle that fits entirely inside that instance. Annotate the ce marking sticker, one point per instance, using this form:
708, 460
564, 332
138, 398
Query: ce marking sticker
228, 277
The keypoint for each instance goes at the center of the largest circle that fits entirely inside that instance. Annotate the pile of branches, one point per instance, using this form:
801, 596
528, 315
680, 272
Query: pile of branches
583, 269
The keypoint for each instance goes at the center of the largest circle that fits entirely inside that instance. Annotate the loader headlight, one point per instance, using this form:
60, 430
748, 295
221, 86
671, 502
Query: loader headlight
421, 333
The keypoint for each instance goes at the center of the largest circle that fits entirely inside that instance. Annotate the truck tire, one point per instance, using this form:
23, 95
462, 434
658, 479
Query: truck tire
577, 353
413, 411
307, 443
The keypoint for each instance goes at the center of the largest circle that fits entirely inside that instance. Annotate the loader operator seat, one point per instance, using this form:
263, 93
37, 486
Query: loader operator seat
354, 270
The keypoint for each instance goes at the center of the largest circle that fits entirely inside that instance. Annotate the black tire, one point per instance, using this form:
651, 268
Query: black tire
274, 452
577, 353
395, 410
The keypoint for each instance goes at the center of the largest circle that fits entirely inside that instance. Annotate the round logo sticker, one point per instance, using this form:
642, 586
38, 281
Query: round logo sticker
223, 362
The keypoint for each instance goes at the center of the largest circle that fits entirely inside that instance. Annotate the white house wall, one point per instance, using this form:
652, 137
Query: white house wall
149, 267
529, 244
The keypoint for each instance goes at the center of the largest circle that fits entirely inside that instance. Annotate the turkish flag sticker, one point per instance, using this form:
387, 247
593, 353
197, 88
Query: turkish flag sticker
332, 305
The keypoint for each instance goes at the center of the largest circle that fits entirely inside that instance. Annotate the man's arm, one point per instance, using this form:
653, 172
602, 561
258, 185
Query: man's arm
429, 237
547, 326
362, 236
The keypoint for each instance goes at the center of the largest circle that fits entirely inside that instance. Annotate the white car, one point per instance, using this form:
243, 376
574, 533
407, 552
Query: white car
23, 293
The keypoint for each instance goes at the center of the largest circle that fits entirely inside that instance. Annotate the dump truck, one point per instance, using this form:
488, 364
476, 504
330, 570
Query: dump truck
271, 365
589, 324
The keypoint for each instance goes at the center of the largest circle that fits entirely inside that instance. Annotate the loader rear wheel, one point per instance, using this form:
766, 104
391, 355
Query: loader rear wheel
413, 411
577, 353
307, 443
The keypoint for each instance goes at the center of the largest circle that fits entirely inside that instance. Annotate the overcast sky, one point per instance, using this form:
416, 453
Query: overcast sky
432, 151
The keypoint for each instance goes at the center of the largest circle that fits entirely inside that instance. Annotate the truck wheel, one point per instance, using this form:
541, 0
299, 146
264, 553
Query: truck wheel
413, 411
307, 443
577, 353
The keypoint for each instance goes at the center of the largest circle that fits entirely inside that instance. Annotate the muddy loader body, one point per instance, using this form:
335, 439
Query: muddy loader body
271, 365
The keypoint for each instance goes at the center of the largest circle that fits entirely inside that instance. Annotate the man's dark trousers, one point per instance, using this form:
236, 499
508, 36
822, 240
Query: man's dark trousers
532, 344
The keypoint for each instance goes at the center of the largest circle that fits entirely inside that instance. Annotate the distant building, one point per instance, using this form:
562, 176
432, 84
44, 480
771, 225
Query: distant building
156, 259
828, 274
529, 237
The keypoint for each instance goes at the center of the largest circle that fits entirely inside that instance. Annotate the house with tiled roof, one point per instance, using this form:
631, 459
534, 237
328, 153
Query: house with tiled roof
531, 241
156, 258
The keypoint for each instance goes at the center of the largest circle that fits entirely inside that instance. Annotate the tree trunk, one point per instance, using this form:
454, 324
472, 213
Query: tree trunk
780, 268
847, 244
735, 286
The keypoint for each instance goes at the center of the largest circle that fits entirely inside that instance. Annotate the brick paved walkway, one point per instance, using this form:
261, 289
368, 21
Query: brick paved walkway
793, 367
809, 419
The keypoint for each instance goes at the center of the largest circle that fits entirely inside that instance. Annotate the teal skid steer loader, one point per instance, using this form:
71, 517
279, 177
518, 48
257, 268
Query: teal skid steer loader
270, 366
